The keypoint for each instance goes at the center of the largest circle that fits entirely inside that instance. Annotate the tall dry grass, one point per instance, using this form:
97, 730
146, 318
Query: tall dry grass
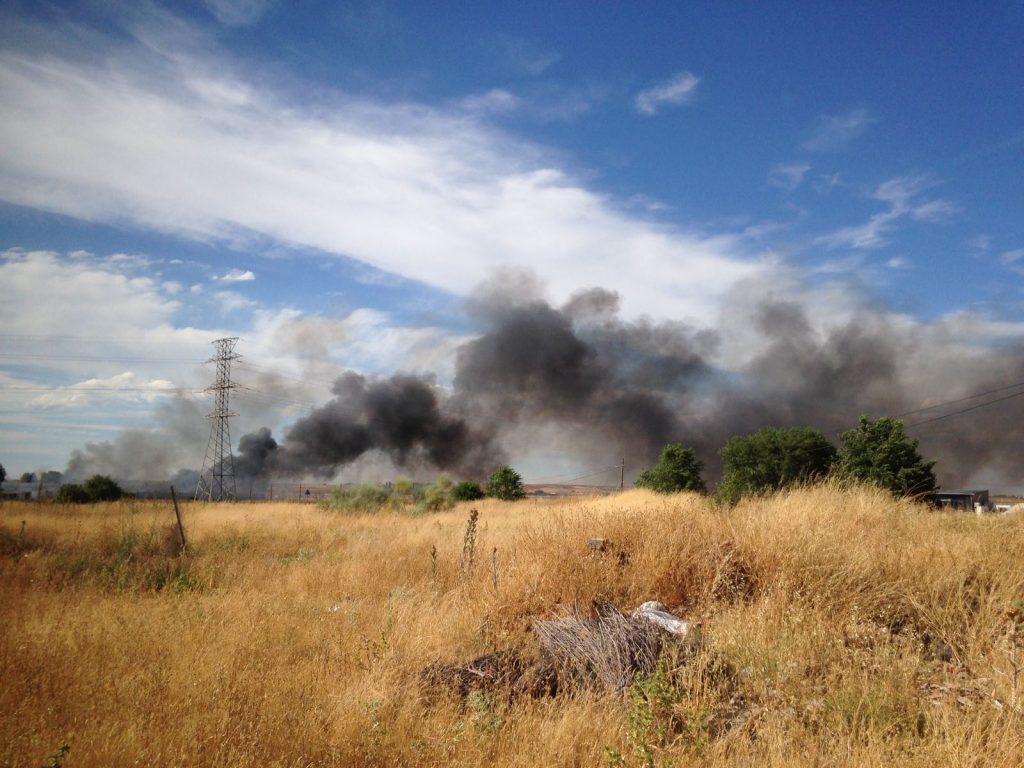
838, 627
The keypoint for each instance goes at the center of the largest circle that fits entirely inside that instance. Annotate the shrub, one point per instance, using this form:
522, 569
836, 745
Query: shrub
437, 497
505, 484
877, 452
677, 470
102, 488
359, 498
72, 493
467, 490
771, 459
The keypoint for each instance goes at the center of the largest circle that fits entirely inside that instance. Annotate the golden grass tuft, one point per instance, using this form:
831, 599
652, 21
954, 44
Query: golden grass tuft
839, 627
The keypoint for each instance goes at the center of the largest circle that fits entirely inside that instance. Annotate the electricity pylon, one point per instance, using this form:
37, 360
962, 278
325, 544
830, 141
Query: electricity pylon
217, 477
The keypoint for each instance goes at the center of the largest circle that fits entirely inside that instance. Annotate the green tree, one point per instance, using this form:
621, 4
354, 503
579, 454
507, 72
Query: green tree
72, 493
102, 488
3, 474
879, 453
678, 469
505, 484
28, 477
771, 459
467, 490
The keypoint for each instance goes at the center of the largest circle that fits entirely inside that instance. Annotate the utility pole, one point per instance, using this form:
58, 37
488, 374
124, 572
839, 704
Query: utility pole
622, 473
217, 477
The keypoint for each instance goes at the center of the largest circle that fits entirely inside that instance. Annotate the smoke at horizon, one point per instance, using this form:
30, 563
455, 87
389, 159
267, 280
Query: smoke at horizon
599, 387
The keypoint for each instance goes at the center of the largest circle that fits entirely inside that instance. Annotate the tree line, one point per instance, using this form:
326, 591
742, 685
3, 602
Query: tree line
876, 452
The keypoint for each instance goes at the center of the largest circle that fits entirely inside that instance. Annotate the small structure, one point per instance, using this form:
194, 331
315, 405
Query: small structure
969, 501
24, 491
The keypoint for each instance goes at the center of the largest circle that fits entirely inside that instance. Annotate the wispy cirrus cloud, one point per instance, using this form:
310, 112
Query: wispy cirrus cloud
238, 13
836, 132
237, 276
432, 195
522, 55
902, 195
677, 90
1013, 260
788, 176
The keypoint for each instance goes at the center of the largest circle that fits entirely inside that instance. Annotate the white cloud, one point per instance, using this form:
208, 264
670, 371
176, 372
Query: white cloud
434, 197
898, 262
494, 101
1008, 258
232, 301
238, 13
835, 132
900, 194
523, 56
788, 176
237, 276
677, 90
82, 297
121, 387
934, 210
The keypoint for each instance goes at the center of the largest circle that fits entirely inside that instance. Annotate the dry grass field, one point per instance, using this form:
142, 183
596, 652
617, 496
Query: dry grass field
838, 628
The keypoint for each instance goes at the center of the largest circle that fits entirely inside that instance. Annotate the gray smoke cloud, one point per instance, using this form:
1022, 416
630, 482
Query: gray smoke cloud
599, 387
144, 460
402, 416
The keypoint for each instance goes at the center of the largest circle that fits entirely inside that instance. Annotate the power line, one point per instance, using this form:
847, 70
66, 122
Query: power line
570, 478
967, 410
95, 359
960, 400
72, 388
75, 337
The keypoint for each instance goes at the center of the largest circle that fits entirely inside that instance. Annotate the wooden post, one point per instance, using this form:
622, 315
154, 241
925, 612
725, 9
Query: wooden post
622, 473
177, 514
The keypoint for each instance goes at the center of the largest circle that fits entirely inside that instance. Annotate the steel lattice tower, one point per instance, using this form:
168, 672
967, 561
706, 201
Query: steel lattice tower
217, 477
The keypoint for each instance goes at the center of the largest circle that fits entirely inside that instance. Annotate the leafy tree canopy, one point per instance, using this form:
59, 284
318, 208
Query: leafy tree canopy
505, 484
879, 453
678, 469
771, 459
467, 490
102, 488
27, 477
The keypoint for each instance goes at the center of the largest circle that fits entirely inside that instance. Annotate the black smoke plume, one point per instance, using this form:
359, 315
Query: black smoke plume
600, 387
401, 416
578, 379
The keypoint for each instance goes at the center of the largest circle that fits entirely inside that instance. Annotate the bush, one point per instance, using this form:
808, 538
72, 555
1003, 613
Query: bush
505, 484
878, 453
102, 488
467, 490
677, 470
359, 498
771, 459
436, 497
72, 493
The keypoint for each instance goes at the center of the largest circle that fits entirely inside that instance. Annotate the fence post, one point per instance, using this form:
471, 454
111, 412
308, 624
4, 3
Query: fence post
177, 514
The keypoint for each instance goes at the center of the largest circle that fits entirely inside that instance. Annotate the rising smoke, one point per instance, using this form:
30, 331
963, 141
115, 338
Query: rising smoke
599, 387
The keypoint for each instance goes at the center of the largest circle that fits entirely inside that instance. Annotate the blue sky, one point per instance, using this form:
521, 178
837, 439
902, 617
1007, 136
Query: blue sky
327, 180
